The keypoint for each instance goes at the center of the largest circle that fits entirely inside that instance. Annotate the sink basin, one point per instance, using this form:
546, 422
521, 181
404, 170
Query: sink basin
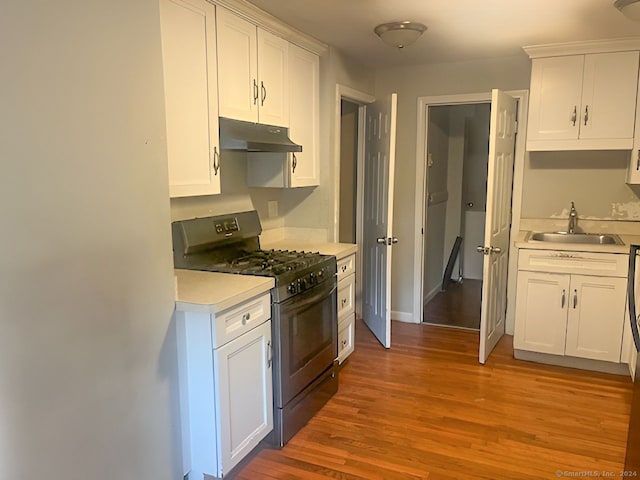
565, 237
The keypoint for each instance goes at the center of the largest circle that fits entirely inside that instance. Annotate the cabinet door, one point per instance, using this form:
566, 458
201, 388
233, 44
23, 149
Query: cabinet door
555, 104
237, 67
541, 312
273, 72
190, 82
596, 316
304, 91
608, 96
244, 396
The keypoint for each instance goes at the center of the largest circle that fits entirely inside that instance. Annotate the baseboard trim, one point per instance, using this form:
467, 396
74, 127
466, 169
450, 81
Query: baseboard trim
573, 362
429, 296
402, 316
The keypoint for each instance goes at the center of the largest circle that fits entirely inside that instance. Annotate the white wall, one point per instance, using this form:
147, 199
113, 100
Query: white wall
434, 247
87, 352
595, 181
411, 82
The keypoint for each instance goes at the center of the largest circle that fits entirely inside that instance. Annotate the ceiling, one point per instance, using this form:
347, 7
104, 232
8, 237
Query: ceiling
457, 30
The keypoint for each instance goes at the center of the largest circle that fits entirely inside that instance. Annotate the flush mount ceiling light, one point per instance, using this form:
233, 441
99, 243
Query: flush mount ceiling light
400, 34
629, 8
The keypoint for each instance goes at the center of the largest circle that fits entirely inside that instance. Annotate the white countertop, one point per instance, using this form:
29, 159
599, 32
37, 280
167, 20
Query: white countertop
577, 247
340, 250
212, 292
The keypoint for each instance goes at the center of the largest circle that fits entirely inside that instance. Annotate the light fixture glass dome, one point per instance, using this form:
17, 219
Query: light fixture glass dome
400, 34
629, 8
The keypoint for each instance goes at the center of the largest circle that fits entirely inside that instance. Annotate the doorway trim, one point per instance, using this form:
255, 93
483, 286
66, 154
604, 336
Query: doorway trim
361, 99
420, 220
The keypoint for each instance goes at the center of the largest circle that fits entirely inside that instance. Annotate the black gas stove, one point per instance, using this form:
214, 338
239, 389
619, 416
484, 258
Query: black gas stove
230, 244
303, 308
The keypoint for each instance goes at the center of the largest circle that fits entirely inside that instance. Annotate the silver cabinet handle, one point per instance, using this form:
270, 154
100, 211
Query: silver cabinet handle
575, 299
344, 344
246, 317
269, 354
343, 302
564, 294
255, 92
294, 164
344, 267
216, 162
264, 93
586, 114
574, 115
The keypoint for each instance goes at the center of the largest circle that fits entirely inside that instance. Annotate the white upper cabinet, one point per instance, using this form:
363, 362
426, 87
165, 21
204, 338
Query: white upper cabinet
583, 102
300, 169
191, 100
304, 68
252, 69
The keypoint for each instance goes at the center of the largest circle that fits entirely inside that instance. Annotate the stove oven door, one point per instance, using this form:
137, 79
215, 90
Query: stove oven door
306, 329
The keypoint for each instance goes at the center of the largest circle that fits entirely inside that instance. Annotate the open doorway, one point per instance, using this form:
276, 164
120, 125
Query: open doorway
349, 144
456, 194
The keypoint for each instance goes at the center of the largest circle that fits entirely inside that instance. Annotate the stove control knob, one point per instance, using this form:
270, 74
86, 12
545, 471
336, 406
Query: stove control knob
292, 288
320, 273
302, 284
312, 279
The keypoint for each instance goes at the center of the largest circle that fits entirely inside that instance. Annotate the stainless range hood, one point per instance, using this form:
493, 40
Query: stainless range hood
254, 137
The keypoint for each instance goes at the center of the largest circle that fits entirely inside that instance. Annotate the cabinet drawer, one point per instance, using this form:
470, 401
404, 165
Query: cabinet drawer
584, 263
346, 266
346, 296
346, 331
237, 320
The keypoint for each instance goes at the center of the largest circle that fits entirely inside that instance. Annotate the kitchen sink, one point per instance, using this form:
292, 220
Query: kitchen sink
565, 237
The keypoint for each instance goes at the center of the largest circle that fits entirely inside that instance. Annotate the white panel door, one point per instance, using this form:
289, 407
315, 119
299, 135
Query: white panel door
556, 88
608, 95
273, 79
502, 134
596, 316
380, 146
304, 93
243, 374
191, 102
541, 312
237, 67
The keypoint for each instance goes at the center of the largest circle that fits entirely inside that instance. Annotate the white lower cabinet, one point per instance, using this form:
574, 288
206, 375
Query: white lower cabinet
346, 306
226, 399
570, 314
243, 370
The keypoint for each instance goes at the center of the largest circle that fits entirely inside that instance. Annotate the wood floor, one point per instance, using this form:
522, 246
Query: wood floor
457, 306
427, 409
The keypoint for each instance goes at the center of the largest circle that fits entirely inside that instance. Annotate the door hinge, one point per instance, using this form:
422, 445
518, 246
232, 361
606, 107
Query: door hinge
515, 126
422, 231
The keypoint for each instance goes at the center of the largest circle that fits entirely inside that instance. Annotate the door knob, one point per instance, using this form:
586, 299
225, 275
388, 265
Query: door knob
488, 250
381, 240
394, 240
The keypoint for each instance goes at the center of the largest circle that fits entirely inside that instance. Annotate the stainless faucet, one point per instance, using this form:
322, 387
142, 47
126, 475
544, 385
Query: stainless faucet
573, 219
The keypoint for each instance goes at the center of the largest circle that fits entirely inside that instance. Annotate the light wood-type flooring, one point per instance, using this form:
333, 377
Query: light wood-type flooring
457, 306
425, 409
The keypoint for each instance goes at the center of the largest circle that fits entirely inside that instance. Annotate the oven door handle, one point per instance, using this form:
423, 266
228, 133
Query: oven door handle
297, 303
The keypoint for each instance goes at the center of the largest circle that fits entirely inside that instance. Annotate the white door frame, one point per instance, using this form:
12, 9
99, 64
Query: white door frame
362, 99
420, 220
